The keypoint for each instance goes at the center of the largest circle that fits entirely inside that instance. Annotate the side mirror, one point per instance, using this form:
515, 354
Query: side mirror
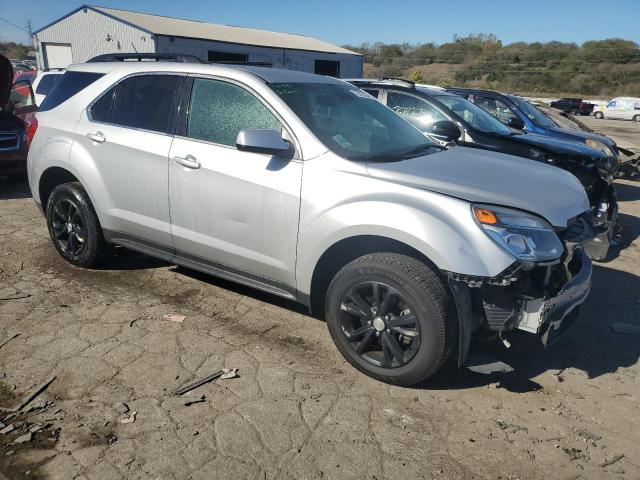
445, 130
259, 140
515, 122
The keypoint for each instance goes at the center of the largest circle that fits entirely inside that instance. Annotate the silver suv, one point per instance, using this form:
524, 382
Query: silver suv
308, 188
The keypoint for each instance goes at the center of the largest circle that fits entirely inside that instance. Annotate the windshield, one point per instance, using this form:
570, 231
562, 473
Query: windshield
473, 115
351, 123
536, 116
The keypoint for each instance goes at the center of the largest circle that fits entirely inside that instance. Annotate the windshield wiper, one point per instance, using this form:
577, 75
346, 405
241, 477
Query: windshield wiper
396, 155
423, 148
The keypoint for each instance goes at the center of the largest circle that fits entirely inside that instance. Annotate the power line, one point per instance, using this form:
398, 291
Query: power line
13, 24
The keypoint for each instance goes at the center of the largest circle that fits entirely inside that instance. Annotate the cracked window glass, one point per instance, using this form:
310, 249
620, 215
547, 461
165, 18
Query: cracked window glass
220, 110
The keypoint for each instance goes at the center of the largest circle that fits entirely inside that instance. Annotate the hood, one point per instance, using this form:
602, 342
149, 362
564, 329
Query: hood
564, 146
6, 79
495, 178
580, 135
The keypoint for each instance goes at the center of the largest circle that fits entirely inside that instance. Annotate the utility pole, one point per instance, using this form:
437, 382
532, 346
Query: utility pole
29, 25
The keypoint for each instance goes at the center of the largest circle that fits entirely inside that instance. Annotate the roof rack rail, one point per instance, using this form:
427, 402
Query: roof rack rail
250, 64
140, 57
401, 80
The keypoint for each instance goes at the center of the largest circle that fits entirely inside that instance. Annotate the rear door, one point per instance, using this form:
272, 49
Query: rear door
127, 134
231, 209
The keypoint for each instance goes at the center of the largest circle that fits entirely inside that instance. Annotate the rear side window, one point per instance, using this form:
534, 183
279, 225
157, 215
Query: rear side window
66, 87
220, 110
101, 109
46, 83
147, 102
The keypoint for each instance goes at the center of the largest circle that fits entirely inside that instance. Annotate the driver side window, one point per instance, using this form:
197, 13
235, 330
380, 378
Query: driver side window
413, 109
497, 108
220, 110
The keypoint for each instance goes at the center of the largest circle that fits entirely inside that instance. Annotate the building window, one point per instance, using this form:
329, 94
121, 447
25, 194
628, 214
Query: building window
227, 57
327, 67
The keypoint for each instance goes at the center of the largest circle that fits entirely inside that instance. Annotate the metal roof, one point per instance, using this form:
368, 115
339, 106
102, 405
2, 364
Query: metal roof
175, 27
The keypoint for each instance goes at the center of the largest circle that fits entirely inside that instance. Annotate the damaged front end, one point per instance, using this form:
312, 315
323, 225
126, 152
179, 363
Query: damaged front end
542, 298
597, 175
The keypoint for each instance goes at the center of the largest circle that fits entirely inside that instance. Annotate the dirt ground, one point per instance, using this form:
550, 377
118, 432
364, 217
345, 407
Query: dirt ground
297, 410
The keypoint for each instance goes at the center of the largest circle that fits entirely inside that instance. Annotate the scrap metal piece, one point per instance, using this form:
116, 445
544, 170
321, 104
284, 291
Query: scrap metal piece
486, 365
30, 398
9, 339
15, 296
187, 388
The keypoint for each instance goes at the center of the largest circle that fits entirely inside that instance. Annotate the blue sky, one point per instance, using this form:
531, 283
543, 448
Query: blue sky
354, 22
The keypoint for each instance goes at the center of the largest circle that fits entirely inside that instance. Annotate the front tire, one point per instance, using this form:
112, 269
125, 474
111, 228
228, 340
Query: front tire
391, 317
636, 118
74, 227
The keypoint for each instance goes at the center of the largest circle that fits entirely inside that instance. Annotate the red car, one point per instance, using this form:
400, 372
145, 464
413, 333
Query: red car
17, 106
28, 75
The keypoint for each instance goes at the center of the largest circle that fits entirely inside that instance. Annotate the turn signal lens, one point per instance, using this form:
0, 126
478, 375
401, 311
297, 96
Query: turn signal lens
484, 216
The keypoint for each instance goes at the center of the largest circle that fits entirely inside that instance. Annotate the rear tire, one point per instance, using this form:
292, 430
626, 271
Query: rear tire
391, 317
636, 118
74, 227
599, 115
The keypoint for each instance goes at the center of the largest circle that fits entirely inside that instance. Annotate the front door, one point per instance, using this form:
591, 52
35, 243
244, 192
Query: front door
127, 134
231, 209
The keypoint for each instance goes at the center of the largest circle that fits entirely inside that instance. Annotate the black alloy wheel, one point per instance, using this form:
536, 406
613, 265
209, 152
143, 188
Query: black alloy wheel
74, 227
392, 317
379, 324
68, 228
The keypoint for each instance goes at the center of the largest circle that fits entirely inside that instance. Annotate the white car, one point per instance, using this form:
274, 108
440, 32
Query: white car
622, 108
44, 82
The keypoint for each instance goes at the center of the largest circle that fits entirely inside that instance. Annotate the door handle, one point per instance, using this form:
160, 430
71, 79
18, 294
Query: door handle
188, 161
97, 137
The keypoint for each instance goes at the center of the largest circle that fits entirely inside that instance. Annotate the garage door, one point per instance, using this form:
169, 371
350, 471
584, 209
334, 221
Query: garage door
57, 55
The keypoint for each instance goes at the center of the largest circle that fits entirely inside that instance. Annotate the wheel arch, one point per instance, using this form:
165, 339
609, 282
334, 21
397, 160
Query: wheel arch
50, 179
344, 251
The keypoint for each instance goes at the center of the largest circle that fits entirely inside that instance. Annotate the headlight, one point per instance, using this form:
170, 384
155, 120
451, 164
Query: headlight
599, 146
525, 236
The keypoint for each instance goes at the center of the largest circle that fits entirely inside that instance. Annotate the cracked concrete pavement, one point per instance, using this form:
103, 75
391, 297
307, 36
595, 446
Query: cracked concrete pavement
297, 410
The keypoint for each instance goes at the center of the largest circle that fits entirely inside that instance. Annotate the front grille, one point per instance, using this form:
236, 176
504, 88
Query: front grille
9, 141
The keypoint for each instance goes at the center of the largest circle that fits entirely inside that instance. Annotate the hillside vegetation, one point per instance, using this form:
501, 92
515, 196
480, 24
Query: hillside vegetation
14, 50
604, 68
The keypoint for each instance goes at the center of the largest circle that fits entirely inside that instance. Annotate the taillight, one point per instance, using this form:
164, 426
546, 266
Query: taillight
31, 127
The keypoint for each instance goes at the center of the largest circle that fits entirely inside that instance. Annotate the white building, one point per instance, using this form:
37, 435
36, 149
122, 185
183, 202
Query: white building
89, 31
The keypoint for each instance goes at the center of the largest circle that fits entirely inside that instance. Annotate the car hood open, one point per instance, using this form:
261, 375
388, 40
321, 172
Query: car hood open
6, 79
489, 177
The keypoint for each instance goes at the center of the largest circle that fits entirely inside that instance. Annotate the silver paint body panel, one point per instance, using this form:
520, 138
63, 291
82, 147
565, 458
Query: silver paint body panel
273, 218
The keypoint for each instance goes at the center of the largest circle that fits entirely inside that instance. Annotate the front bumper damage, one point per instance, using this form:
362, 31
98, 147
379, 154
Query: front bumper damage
542, 299
550, 318
605, 221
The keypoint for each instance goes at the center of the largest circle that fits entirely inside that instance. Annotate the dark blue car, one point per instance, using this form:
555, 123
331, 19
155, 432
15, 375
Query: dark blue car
516, 112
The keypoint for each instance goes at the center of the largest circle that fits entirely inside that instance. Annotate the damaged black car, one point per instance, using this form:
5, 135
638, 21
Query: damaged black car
452, 119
